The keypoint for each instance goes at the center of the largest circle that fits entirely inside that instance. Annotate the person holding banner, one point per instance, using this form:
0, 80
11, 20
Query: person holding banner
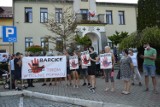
17, 72
107, 63
68, 70
92, 69
74, 67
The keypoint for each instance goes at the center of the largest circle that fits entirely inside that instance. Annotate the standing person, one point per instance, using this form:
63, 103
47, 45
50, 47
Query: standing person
84, 72
126, 67
92, 69
17, 73
149, 68
12, 69
29, 81
75, 73
136, 73
68, 78
108, 72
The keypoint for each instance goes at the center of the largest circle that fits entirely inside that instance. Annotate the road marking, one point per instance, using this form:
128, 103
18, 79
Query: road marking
21, 102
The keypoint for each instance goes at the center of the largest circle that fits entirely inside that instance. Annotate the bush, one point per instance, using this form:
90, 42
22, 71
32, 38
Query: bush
34, 49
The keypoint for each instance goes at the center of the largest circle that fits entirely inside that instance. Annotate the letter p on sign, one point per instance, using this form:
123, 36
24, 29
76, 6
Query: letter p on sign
9, 34
9, 31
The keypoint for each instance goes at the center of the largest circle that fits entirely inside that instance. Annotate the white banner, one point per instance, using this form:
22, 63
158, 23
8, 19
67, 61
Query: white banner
85, 57
43, 67
106, 61
73, 62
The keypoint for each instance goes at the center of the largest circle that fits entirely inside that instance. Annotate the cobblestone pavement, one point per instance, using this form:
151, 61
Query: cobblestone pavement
14, 101
137, 98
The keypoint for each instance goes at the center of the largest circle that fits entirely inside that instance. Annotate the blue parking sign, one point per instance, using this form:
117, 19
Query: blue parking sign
9, 34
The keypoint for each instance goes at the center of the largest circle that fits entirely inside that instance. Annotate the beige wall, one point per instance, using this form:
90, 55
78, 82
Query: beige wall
5, 45
130, 18
34, 29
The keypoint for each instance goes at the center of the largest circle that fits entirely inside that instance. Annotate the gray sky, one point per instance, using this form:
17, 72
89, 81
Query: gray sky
9, 2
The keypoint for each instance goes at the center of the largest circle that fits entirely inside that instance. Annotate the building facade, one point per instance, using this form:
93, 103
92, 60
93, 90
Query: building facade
6, 19
107, 17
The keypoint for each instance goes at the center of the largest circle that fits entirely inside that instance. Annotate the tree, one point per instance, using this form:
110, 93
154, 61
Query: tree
64, 28
118, 37
148, 14
84, 41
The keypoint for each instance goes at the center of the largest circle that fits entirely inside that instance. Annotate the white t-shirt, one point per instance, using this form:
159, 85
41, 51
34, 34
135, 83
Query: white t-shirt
134, 59
12, 64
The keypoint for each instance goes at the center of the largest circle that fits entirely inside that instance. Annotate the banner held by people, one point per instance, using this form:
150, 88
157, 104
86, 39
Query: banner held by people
43, 67
106, 61
73, 62
85, 57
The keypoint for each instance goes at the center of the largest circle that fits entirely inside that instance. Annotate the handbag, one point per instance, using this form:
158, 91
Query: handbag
119, 75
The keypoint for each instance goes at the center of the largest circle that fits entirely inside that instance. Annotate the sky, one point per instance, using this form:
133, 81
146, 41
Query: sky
9, 2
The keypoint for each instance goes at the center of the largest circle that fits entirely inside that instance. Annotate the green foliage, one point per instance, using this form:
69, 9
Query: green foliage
34, 49
118, 37
148, 14
149, 35
84, 41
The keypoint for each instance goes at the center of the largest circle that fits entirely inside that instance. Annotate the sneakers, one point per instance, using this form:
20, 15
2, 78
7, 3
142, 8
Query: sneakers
84, 84
18, 89
92, 90
112, 90
140, 84
44, 84
50, 84
106, 89
147, 89
155, 92
75, 86
125, 92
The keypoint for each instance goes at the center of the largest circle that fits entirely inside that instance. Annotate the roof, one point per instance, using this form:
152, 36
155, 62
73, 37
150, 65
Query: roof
6, 12
97, 1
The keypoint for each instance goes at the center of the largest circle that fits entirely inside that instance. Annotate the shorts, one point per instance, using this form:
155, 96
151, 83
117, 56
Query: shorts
17, 75
108, 75
149, 70
91, 70
84, 72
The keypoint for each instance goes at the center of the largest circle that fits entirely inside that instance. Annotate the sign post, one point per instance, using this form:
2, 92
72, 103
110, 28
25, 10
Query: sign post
9, 34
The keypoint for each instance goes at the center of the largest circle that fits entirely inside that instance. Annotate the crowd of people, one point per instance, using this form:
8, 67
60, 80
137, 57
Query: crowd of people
128, 69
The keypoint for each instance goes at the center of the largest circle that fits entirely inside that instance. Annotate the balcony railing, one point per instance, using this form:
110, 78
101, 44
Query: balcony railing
85, 19
46, 0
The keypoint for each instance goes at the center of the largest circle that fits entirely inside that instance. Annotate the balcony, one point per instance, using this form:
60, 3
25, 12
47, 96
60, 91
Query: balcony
85, 19
46, 0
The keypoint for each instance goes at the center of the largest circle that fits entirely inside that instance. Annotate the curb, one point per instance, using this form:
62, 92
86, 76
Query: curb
11, 93
62, 99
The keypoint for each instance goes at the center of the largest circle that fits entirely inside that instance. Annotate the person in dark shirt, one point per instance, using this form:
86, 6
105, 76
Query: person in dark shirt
17, 67
92, 69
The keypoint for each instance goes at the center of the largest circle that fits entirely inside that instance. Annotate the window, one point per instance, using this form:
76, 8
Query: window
43, 15
58, 13
28, 15
59, 45
44, 43
28, 42
84, 13
121, 17
109, 17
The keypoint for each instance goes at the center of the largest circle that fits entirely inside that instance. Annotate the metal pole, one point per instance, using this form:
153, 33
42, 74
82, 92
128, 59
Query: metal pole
10, 67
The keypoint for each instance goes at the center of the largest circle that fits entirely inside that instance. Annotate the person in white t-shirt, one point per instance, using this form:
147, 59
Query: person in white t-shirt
136, 74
